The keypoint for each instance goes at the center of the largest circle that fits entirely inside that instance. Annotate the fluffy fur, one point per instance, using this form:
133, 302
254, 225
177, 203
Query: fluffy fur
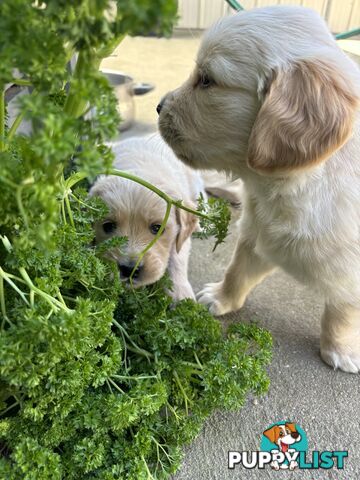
273, 100
133, 209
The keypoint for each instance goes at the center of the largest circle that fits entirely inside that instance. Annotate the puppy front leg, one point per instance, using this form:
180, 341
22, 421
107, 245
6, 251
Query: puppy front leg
340, 338
245, 271
178, 272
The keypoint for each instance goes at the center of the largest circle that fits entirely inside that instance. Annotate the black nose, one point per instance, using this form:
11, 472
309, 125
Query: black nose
126, 270
158, 108
295, 435
161, 104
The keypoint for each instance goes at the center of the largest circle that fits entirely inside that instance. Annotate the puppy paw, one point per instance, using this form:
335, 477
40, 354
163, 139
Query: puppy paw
180, 292
275, 465
212, 295
347, 361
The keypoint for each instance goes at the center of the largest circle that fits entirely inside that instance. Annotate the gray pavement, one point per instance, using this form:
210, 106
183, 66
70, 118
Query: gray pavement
325, 403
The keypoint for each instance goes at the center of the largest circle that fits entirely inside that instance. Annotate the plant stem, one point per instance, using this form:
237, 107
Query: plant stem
194, 366
186, 398
7, 277
198, 361
9, 408
155, 239
21, 81
2, 118
115, 385
77, 177
16, 125
134, 377
56, 304
20, 205
75, 104
135, 348
150, 476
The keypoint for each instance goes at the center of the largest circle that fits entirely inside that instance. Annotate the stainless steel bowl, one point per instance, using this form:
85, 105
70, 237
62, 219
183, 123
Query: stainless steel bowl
125, 89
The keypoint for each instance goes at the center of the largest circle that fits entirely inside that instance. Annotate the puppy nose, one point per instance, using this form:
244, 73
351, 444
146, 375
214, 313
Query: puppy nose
158, 108
126, 270
295, 435
161, 104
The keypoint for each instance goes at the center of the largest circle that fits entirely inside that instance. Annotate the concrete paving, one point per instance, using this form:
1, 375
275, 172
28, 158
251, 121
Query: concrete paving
324, 403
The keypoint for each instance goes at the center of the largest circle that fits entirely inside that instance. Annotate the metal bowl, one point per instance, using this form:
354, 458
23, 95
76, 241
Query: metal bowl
125, 89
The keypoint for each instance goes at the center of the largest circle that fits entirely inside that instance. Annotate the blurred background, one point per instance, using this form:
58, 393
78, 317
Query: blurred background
339, 14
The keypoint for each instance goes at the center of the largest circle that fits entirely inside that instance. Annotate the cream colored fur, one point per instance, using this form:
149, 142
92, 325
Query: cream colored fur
274, 101
134, 208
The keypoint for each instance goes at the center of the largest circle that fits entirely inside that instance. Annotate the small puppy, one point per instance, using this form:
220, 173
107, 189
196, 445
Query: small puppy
283, 436
274, 101
136, 212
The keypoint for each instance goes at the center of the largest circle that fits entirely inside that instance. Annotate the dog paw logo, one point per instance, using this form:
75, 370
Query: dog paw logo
284, 440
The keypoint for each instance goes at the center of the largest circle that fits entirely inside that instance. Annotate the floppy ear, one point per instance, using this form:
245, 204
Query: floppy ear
291, 426
272, 433
187, 225
307, 114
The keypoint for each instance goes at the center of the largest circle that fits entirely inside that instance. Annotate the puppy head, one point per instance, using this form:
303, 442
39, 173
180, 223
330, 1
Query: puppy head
137, 213
270, 91
283, 435
203, 120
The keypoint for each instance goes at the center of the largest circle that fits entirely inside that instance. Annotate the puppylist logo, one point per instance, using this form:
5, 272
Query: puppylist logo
284, 446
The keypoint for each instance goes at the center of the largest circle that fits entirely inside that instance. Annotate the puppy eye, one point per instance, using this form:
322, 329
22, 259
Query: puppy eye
154, 228
205, 81
281, 434
109, 227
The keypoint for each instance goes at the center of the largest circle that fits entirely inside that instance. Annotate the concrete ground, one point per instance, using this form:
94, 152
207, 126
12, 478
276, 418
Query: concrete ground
325, 403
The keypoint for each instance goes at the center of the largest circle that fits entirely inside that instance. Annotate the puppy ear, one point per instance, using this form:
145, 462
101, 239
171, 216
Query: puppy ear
272, 433
291, 426
187, 225
307, 114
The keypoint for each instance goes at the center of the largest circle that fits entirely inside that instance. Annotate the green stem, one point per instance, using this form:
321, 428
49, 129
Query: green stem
7, 277
75, 104
150, 476
109, 386
77, 177
173, 411
159, 445
155, 239
20, 206
135, 348
17, 122
198, 361
9, 408
68, 208
194, 366
115, 385
140, 351
15, 125
2, 118
21, 81
3, 304
134, 377
186, 398
56, 304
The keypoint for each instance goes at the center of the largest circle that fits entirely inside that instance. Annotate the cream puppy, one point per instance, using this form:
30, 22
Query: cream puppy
136, 213
274, 101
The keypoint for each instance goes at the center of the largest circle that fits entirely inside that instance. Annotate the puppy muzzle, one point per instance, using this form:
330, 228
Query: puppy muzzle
127, 270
